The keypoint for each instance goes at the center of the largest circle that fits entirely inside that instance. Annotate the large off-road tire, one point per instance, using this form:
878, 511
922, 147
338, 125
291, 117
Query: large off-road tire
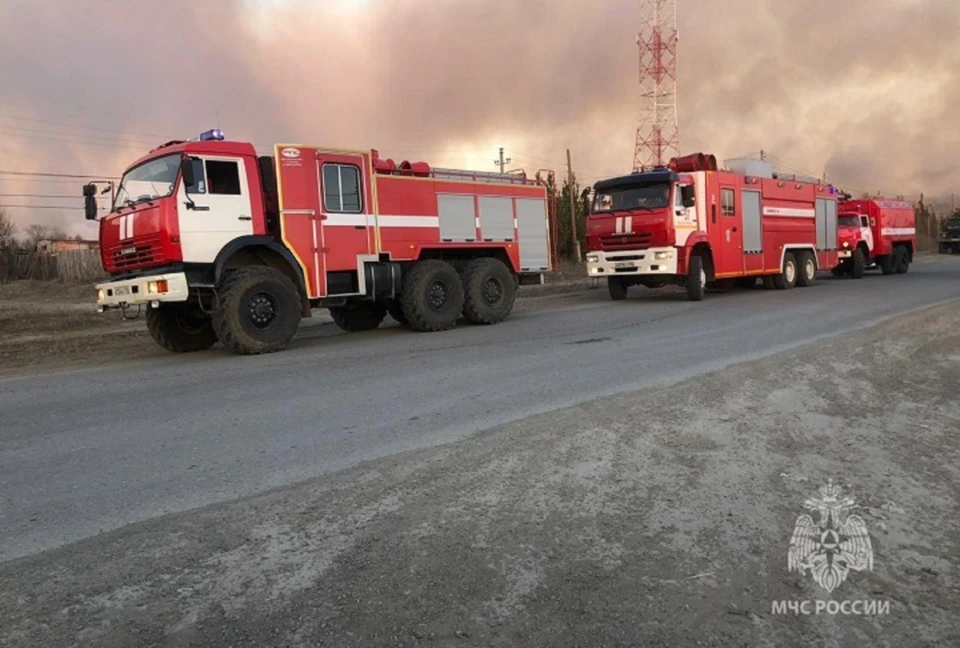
358, 317
886, 264
180, 328
806, 269
259, 310
901, 260
432, 296
489, 291
858, 264
696, 280
788, 275
617, 288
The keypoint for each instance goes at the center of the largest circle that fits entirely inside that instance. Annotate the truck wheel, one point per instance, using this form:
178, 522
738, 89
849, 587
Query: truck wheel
807, 269
901, 260
489, 291
259, 310
696, 281
180, 328
788, 276
886, 264
358, 317
432, 296
858, 264
617, 288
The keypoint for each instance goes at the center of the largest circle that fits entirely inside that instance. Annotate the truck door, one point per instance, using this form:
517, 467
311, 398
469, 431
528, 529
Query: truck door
728, 255
214, 210
346, 218
866, 233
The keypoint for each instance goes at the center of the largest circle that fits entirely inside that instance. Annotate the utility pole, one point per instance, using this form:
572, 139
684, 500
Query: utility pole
573, 210
502, 162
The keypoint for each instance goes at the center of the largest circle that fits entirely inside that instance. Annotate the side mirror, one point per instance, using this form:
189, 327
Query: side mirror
90, 207
90, 201
687, 198
186, 170
585, 201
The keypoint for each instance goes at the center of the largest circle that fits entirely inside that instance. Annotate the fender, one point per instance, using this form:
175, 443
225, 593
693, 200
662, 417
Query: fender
267, 242
696, 237
684, 251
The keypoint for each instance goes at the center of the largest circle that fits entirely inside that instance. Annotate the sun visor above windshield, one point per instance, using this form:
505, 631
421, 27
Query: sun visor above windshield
645, 177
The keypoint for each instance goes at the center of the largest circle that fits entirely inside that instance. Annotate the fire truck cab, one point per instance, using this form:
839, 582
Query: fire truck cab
222, 244
696, 226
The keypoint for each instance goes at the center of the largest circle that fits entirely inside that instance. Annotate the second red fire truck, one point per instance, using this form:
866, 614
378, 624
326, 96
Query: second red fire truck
875, 232
219, 243
697, 226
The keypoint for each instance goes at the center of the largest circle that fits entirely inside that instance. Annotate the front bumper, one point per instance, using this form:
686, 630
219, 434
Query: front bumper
845, 254
652, 261
143, 290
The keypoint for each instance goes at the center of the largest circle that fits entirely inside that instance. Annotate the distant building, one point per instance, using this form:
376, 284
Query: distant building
54, 246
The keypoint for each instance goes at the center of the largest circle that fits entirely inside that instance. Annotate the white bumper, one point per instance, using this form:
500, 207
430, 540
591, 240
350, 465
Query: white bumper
844, 254
653, 261
143, 290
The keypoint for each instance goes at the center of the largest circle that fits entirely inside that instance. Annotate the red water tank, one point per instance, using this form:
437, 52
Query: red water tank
693, 162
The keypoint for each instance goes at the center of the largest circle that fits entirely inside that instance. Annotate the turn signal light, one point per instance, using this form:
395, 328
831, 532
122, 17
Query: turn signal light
157, 287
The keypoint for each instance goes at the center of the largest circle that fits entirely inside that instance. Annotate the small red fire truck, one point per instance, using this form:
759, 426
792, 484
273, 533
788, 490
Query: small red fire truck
694, 225
222, 244
877, 232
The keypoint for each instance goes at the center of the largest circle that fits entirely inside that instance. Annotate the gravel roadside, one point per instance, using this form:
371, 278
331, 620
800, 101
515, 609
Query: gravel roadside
655, 518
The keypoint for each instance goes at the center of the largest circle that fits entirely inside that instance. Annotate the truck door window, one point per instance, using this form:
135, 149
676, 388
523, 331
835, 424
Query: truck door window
864, 222
223, 177
727, 202
199, 185
341, 188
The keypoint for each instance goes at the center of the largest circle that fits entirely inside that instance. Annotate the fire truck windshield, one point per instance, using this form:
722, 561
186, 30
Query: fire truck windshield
151, 180
650, 196
848, 221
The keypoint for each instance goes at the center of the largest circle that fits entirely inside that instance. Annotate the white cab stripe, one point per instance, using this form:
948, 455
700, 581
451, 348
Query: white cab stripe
787, 211
898, 231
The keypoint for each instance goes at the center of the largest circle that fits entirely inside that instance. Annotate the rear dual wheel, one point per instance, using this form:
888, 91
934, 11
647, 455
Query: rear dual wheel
807, 269
788, 276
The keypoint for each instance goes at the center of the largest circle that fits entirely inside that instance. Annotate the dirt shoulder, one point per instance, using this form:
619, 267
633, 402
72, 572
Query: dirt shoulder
658, 518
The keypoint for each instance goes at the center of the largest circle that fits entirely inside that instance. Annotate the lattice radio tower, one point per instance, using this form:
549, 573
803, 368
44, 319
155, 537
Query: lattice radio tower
658, 135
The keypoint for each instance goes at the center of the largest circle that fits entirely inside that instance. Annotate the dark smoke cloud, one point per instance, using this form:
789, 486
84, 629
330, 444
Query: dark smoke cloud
865, 91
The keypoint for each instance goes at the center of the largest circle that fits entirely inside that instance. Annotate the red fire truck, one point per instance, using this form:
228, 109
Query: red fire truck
222, 244
694, 225
877, 232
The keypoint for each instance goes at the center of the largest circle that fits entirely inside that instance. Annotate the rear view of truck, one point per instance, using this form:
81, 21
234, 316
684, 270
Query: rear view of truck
877, 233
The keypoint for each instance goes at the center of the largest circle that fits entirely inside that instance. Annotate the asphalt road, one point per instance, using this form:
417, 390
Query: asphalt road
89, 451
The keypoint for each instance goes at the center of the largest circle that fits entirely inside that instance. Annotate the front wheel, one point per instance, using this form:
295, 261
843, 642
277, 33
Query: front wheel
259, 310
180, 328
617, 288
858, 264
696, 280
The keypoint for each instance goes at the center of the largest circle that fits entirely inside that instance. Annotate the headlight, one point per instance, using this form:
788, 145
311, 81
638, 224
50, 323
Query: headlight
101, 295
593, 258
660, 256
846, 244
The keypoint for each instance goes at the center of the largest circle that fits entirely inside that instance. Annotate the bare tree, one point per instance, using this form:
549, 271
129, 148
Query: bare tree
36, 233
8, 230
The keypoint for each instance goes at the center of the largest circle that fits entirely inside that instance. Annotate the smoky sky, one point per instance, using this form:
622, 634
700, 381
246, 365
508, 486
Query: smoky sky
865, 91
